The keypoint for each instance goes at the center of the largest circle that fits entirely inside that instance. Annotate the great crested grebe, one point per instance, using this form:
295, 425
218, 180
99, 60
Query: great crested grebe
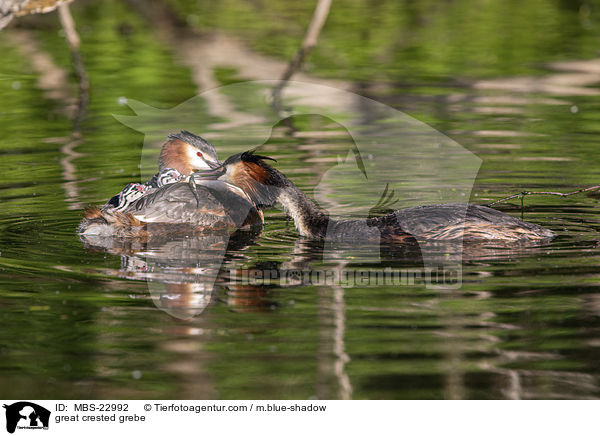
180, 155
169, 204
445, 222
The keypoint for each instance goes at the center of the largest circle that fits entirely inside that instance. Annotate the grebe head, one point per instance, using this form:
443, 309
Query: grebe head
249, 172
266, 186
186, 153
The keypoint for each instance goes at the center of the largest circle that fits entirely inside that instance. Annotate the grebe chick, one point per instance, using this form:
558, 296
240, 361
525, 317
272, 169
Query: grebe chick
172, 207
180, 155
444, 222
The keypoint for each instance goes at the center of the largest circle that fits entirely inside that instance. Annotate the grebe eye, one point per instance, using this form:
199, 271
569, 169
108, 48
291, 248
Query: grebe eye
199, 154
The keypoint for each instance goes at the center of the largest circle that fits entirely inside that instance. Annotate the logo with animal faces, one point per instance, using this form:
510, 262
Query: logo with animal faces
389, 161
25, 415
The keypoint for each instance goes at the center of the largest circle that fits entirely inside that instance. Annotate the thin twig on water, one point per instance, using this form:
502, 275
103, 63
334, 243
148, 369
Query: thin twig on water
560, 194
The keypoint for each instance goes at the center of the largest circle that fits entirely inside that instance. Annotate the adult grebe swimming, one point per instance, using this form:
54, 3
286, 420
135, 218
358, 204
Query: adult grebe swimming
445, 222
170, 205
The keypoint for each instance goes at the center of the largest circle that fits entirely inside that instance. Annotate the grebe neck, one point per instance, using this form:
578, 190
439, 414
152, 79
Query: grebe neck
310, 221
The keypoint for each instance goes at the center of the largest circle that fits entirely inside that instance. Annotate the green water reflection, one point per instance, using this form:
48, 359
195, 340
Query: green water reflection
82, 323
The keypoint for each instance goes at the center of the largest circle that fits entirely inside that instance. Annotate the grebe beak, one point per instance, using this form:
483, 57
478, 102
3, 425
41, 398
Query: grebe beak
213, 165
217, 171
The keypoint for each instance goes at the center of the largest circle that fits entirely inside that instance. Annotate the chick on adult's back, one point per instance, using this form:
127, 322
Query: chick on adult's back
182, 205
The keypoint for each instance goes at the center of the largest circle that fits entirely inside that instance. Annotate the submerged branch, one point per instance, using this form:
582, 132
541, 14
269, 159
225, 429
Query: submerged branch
54, 81
560, 194
68, 25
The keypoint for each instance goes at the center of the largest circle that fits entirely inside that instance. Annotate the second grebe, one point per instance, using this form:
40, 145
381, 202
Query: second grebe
444, 222
166, 205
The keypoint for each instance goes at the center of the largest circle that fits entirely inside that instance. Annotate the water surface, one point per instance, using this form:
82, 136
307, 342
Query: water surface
139, 321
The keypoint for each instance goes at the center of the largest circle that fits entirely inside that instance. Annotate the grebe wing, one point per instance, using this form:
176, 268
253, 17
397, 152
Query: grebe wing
449, 221
422, 219
176, 203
